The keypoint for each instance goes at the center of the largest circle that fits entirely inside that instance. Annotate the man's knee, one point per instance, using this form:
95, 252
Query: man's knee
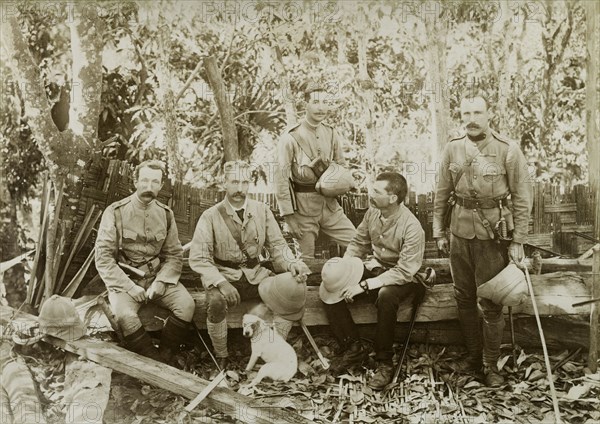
388, 296
185, 308
464, 299
128, 321
217, 306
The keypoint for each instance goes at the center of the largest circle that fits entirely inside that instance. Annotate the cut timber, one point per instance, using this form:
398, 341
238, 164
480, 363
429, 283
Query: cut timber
555, 294
160, 375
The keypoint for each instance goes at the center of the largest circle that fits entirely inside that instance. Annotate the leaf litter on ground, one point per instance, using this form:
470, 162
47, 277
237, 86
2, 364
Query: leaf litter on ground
429, 389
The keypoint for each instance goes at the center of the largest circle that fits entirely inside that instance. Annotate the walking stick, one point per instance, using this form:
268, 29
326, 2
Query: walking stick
512, 335
545, 349
417, 301
324, 361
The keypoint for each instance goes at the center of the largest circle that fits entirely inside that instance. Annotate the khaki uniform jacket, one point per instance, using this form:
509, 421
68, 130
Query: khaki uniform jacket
293, 161
499, 169
144, 237
212, 238
398, 244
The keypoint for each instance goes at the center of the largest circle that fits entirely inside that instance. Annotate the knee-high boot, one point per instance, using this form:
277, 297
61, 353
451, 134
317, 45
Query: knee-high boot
140, 342
175, 332
470, 326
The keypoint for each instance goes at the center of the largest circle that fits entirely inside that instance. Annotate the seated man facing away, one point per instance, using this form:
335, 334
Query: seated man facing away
397, 240
140, 232
225, 251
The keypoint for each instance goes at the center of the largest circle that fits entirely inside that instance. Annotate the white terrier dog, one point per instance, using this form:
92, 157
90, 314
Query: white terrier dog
281, 361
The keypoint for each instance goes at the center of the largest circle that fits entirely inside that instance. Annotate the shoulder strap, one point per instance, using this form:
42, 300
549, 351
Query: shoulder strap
233, 229
167, 212
332, 146
303, 146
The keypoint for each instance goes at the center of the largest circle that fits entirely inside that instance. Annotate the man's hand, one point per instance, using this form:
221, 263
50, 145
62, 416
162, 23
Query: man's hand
138, 293
156, 290
516, 252
442, 245
350, 291
300, 271
230, 293
293, 226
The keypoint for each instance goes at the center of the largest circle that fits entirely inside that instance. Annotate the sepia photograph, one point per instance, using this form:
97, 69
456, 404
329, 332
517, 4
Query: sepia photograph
300, 211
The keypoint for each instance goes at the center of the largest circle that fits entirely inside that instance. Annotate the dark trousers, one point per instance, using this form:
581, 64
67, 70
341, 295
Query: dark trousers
387, 299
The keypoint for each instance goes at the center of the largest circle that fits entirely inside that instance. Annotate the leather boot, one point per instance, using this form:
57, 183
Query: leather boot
351, 352
383, 376
175, 332
493, 329
492, 376
141, 343
471, 329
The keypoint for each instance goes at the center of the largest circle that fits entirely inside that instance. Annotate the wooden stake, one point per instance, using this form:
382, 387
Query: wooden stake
594, 313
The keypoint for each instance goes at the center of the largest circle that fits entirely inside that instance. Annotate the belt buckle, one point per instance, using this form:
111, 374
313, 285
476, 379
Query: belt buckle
244, 264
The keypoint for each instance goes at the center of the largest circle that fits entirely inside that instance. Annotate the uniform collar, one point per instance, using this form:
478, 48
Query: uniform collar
393, 217
135, 200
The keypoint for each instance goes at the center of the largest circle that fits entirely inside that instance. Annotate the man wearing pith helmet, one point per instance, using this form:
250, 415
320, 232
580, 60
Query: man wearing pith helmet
393, 235
485, 176
311, 173
225, 250
140, 233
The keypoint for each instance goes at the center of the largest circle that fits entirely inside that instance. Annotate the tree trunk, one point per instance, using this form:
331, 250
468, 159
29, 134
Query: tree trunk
367, 96
287, 97
230, 139
65, 153
13, 279
592, 105
439, 102
168, 103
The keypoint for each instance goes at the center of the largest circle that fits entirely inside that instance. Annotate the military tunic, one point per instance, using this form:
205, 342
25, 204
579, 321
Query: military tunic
146, 235
398, 243
314, 211
212, 238
498, 169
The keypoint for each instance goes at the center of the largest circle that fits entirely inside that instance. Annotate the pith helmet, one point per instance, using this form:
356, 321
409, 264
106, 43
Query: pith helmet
507, 288
337, 274
284, 295
335, 181
59, 318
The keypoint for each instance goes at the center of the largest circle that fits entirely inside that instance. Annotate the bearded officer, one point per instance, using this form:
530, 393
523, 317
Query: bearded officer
304, 152
140, 232
493, 200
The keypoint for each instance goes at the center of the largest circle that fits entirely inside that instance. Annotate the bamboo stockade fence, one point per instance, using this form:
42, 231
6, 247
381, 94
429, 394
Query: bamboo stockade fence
561, 221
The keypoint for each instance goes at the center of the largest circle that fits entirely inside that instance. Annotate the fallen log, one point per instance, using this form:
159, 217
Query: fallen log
555, 293
160, 375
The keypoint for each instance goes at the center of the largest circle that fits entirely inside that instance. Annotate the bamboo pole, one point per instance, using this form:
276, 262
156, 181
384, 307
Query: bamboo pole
594, 313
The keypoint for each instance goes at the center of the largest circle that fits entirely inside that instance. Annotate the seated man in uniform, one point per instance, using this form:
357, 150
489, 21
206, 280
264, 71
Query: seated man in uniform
226, 246
140, 232
397, 241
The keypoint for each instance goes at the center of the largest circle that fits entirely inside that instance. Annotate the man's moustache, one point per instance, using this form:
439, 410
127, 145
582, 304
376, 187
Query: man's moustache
473, 127
239, 194
149, 193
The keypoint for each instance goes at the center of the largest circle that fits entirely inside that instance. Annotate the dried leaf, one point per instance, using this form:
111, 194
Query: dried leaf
522, 357
577, 392
473, 384
502, 361
357, 398
305, 369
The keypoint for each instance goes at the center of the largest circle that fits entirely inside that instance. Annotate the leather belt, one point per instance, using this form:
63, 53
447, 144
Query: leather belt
477, 203
303, 188
250, 263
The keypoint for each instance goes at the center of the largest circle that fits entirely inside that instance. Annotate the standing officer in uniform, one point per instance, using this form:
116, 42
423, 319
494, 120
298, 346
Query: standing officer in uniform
140, 232
226, 246
486, 177
304, 152
395, 237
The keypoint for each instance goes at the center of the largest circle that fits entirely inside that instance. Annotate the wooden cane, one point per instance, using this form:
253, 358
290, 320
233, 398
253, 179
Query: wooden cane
545, 349
324, 361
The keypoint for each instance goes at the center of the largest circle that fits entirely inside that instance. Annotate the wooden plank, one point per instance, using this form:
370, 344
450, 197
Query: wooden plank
555, 293
164, 376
